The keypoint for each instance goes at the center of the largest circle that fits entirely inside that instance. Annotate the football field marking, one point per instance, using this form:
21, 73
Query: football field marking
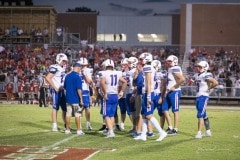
101, 150
43, 149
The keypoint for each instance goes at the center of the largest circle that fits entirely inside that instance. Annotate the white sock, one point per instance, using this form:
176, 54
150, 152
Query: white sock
144, 127
54, 125
88, 123
111, 131
156, 124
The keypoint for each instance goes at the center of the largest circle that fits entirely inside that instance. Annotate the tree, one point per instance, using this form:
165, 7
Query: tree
80, 9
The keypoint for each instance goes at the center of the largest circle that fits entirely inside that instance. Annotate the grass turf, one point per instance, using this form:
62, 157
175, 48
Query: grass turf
30, 125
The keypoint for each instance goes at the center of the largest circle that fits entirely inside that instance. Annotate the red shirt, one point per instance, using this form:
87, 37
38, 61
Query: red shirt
9, 89
32, 87
21, 87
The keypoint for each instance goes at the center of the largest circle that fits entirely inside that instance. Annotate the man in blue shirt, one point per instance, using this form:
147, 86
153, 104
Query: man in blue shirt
73, 87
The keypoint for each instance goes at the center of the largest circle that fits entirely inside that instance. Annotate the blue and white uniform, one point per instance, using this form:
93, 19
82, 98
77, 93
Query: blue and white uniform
147, 110
172, 98
112, 83
59, 98
158, 77
129, 90
122, 101
202, 94
85, 86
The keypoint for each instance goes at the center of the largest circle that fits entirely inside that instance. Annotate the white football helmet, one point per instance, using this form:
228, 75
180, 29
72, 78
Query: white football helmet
133, 62
204, 66
124, 61
83, 61
146, 57
173, 59
108, 63
61, 57
156, 64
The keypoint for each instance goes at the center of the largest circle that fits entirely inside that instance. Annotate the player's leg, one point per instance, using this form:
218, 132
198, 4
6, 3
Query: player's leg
165, 110
111, 107
207, 127
55, 109
137, 117
116, 121
176, 109
123, 110
103, 121
201, 103
130, 109
174, 97
86, 105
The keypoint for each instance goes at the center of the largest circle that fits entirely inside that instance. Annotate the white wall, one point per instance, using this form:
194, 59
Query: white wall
133, 25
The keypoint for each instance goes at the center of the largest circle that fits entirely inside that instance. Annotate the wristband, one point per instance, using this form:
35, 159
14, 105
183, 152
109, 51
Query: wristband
133, 95
149, 98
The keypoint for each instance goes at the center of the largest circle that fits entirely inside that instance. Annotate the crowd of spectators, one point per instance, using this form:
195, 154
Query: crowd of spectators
37, 34
23, 65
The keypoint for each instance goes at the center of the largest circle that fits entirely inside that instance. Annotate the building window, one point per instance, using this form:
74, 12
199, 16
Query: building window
120, 37
152, 37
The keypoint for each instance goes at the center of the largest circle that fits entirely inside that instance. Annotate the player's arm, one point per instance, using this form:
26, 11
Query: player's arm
135, 74
132, 99
179, 80
149, 84
50, 82
103, 87
163, 90
87, 77
124, 85
79, 91
120, 88
213, 83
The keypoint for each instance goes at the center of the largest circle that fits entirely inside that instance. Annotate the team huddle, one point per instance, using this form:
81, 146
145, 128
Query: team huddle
141, 87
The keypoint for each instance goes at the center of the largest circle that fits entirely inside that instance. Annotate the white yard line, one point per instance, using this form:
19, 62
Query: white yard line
43, 149
91, 155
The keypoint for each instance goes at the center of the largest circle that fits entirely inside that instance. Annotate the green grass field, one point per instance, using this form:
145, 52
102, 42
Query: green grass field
29, 125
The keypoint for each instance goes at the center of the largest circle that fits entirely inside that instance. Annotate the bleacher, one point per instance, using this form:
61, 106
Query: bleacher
16, 39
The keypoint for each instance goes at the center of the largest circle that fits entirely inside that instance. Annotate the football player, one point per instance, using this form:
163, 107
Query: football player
86, 76
55, 79
205, 82
172, 93
109, 84
147, 99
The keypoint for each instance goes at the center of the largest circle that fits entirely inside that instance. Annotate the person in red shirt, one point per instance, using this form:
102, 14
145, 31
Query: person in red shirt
21, 91
31, 93
9, 92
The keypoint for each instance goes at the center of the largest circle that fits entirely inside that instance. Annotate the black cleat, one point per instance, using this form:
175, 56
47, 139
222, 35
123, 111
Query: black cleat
118, 128
168, 130
103, 127
172, 132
